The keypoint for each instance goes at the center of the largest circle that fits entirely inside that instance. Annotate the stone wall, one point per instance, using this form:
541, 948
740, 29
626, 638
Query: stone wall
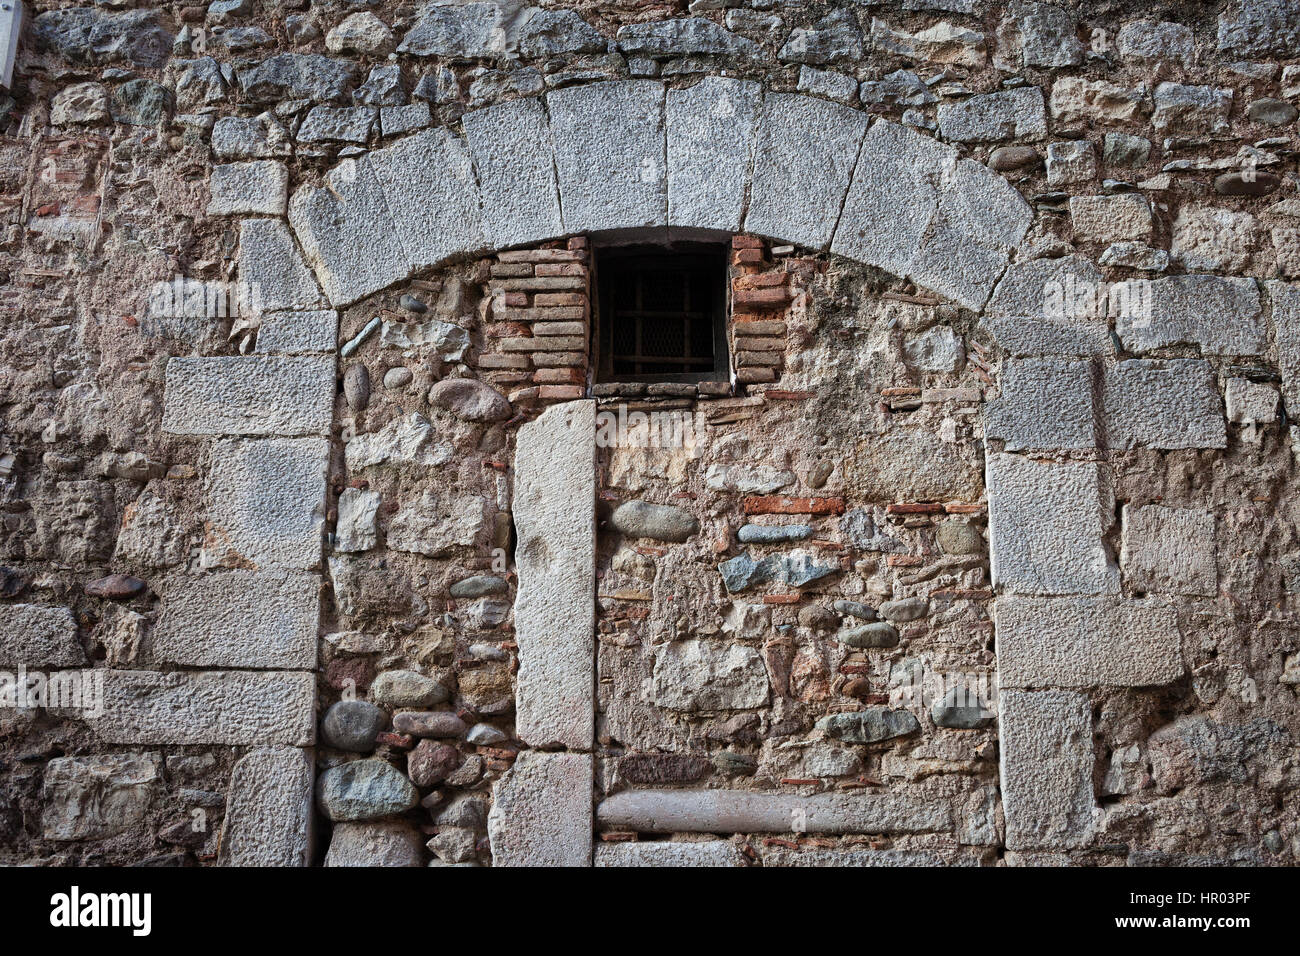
986, 553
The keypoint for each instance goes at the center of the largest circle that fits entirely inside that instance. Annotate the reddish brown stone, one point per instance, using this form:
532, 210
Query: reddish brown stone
430, 763
116, 587
664, 768
782, 505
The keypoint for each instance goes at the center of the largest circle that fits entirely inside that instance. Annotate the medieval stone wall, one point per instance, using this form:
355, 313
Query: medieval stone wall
321, 544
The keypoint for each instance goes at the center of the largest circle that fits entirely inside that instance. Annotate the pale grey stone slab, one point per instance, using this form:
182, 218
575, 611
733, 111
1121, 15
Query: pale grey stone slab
806, 152
1022, 336
273, 275
433, 204
233, 708
743, 811
259, 188
1020, 114
238, 619
1168, 550
266, 503
1221, 315
541, 811
1284, 298
375, 843
711, 129
555, 520
855, 858
1046, 768
515, 161
1044, 404
610, 154
709, 675
1047, 523
268, 809
1086, 642
97, 796
298, 333
1170, 403
1049, 307
892, 198
347, 233
249, 395
659, 853
39, 636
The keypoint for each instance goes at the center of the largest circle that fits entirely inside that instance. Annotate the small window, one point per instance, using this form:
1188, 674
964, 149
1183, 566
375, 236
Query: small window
661, 314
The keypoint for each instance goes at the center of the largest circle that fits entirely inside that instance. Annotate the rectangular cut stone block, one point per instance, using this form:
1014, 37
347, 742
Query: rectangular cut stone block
39, 636
298, 333
807, 149
1086, 642
266, 504
239, 619
555, 518
273, 274
541, 811
1047, 523
242, 189
1284, 299
232, 708
1046, 769
1044, 404
610, 148
433, 203
1019, 114
710, 151
515, 161
1169, 550
742, 811
1172, 403
815, 856
249, 395
1221, 315
709, 853
347, 233
268, 809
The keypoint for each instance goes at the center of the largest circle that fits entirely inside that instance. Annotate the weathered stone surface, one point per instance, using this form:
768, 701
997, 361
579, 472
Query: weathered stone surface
1221, 315
238, 619
1070, 162
470, 31
268, 809
432, 197
1249, 403
257, 137
795, 568
435, 523
338, 124
1019, 114
274, 274
962, 708
386, 843
912, 466
362, 33
1209, 239
402, 688
541, 811
806, 152
298, 333
39, 636
404, 442
1046, 769
555, 519
1169, 550
869, 726
773, 534
687, 36
641, 519
81, 103
266, 503
713, 853
357, 528
610, 154
434, 723
89, 798
364, 790
1284, 299
257, 188
298, 76
1171, 403
1191, 109
1076, 100
739, 811
544, 33
1044, 404
478, 586
1147, 41
1110, 218
1046, 526
85, 35
827, 83
430, 763
942, 43
1086, 642
249, 395
515, 162
875, 634
1047, 34
470, 400
352, 725
702, 675
1259, 28
834, 38
232, 708
777, 856
711, 129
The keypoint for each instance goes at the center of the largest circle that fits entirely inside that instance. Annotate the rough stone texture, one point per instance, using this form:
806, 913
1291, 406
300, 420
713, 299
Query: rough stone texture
238, 619
541, 811
1046, 526
257, 188
1284, 299
804, 158
1046, 768
1222, 316
555, 518
709, 675
236, 708
273, 270
268, 809
39, 636
90, 798
1086, 642
711, 129
610, 155
1021, 114
1168, 550
387, 843
739, 811
296, 333
267, 503
1163, 404
1045, 404
251, 395
713, 853
364, 790
515, 163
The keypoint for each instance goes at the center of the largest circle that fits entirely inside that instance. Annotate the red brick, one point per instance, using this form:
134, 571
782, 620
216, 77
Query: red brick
511, 270
759, 280
754, 376
561, 391
542, 255
561, 269
560, 376
559, 328
782, 505
904, 561
514, 299
752, 359
492, 361
578, 242
913, 508
753, 325
770, 298
558, 359
747, 257
759, 343
746, 242
543, 299
782, 598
